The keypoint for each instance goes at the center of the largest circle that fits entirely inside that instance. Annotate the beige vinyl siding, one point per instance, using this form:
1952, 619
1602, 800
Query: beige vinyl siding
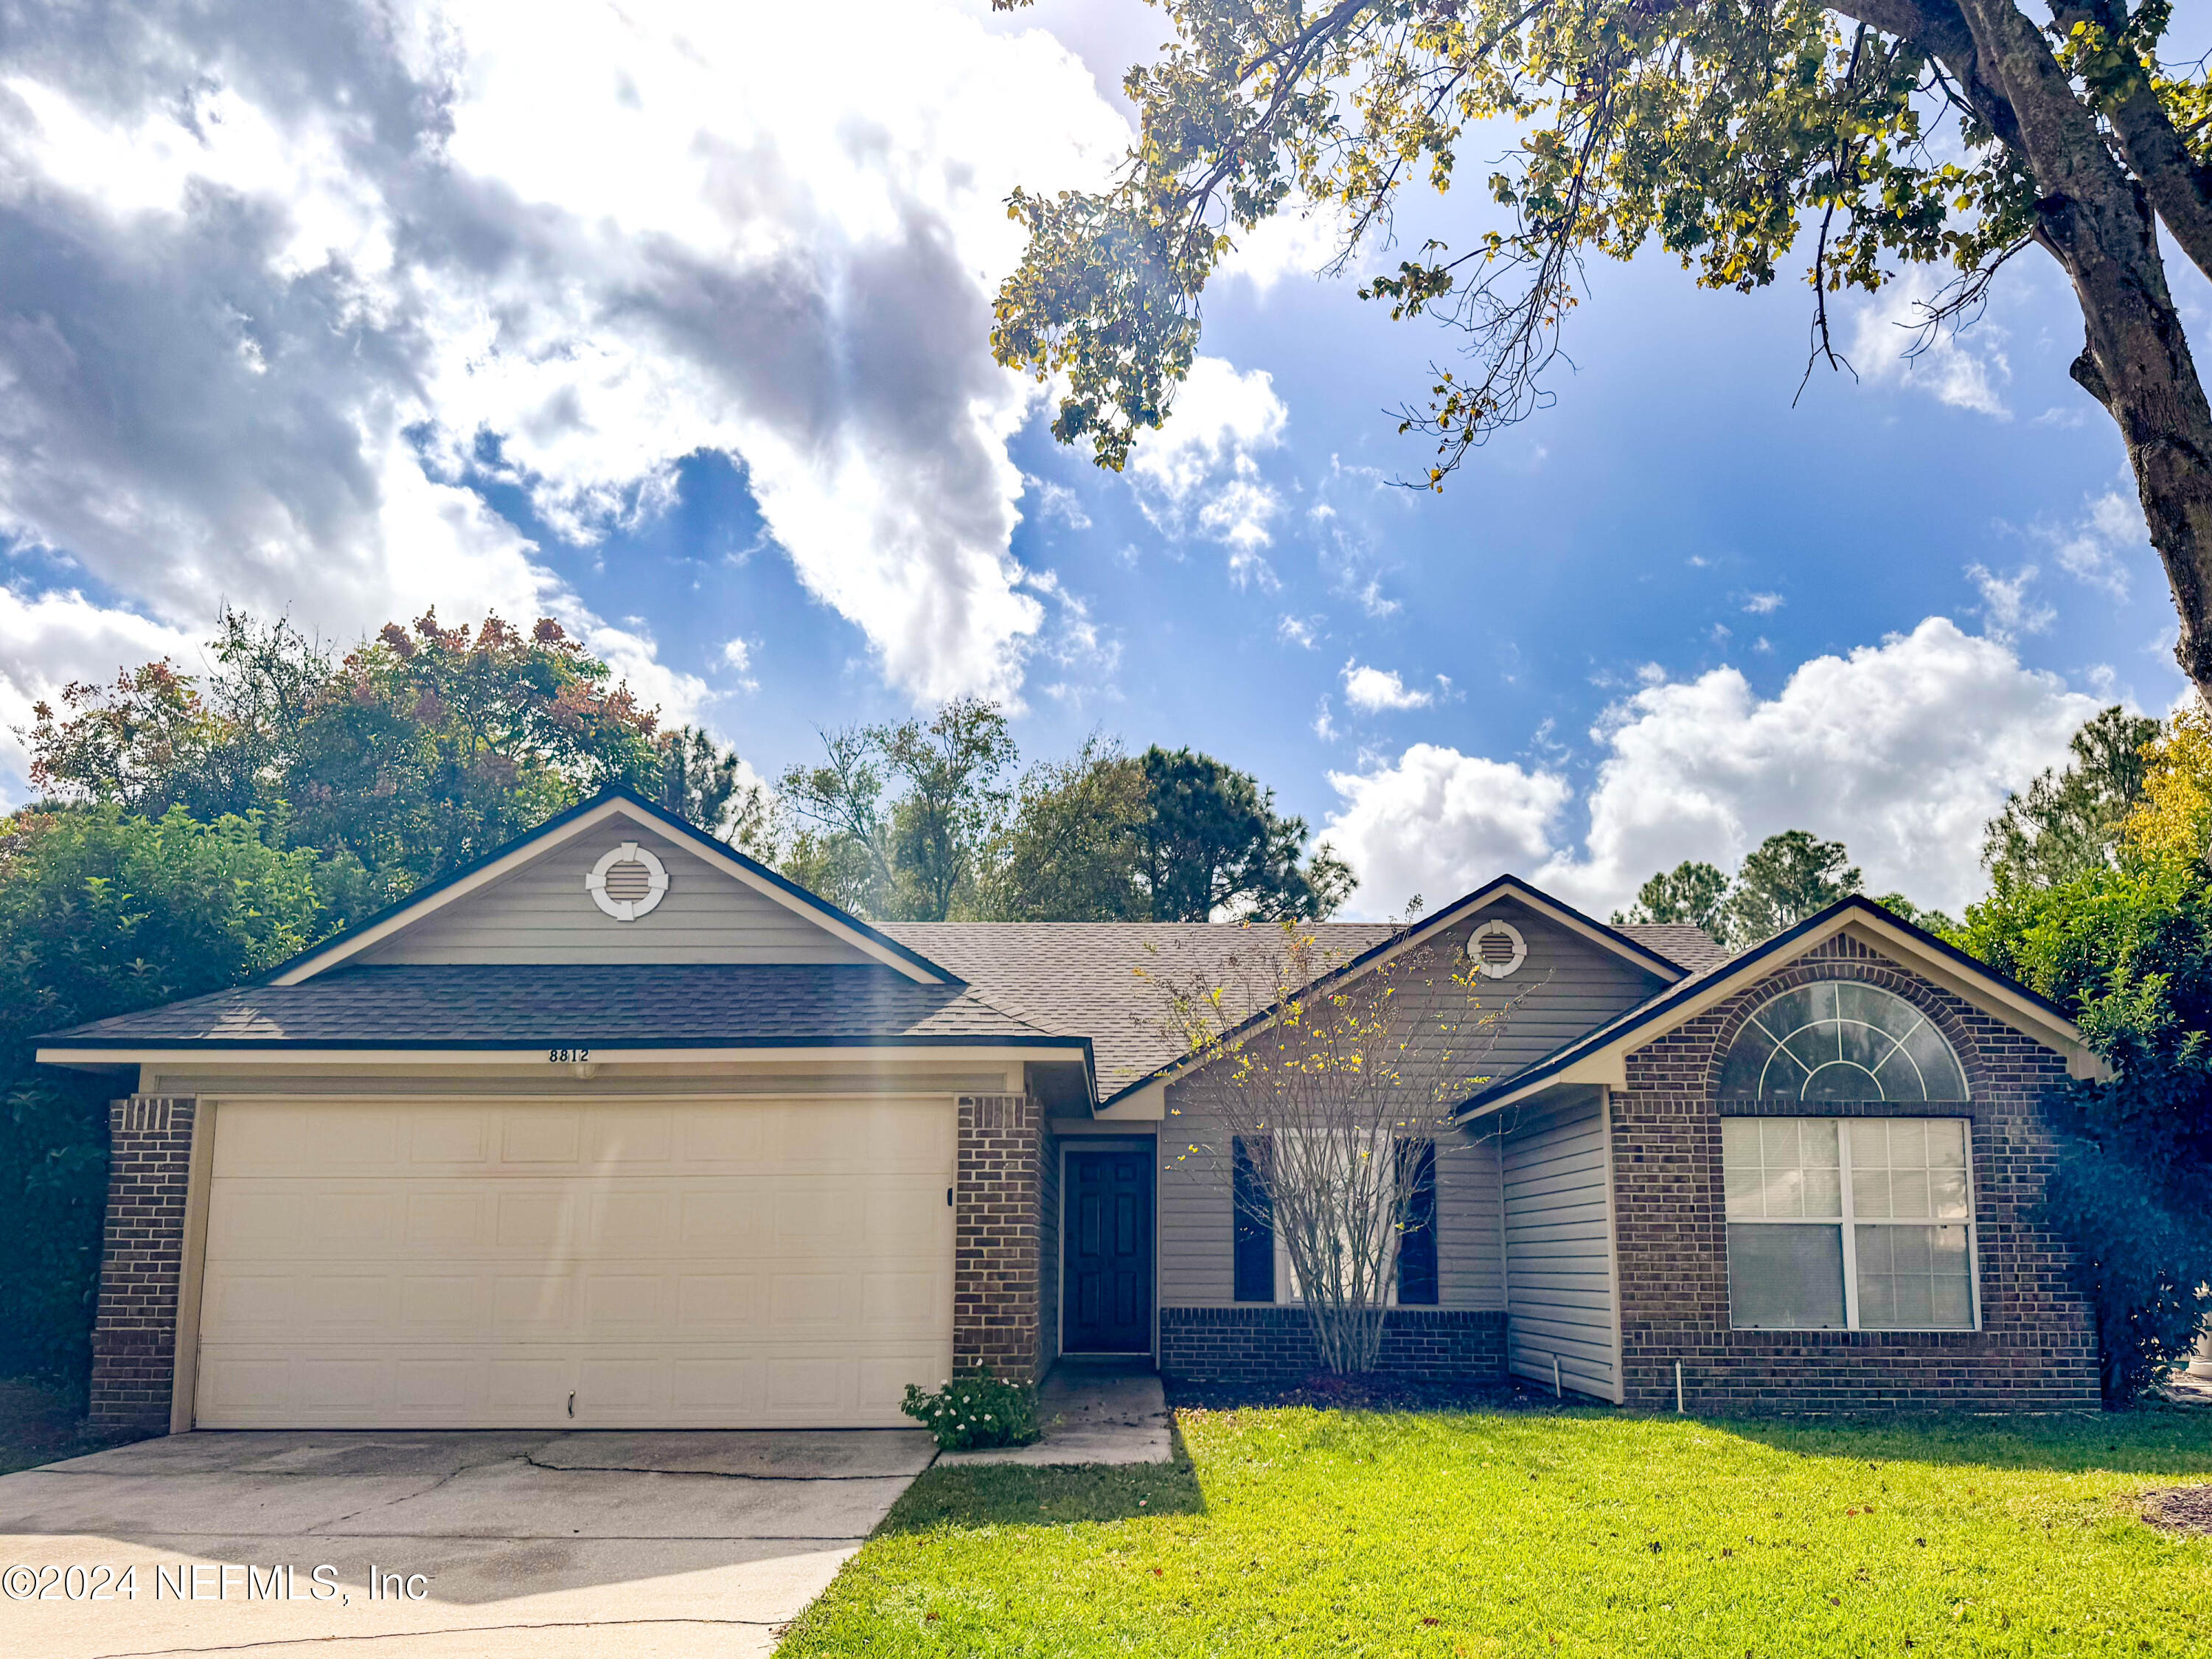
1565, 988
1566, 985
1470, 1271
542, 913
1197, 1264
1197, 1258
1558, 1250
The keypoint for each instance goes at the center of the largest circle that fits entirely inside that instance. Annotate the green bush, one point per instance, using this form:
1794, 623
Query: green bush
2128, 950
101, 913
983, 1410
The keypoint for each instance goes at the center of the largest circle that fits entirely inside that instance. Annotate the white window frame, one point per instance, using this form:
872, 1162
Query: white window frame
1849, 1221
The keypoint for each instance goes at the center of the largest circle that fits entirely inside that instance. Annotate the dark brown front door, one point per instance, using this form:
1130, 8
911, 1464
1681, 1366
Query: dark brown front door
1107, 1235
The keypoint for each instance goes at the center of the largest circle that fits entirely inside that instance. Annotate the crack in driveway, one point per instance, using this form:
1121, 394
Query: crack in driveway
712, 1474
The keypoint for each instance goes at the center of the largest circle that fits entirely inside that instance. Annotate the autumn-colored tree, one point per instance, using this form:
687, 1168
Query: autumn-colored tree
417, 751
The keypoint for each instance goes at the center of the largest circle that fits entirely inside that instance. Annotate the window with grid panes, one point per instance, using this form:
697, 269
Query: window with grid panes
1861, 1223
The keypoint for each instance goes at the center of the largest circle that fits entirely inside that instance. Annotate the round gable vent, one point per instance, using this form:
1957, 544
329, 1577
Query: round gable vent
1497, 949
627, 882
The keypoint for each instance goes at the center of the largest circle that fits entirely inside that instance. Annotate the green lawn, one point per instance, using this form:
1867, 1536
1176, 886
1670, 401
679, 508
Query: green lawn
1543, 1533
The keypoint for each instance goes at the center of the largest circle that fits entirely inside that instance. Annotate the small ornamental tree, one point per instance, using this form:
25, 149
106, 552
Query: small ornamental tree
1312, 1082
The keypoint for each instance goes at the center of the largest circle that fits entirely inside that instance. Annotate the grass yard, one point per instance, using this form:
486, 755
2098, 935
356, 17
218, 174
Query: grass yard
1543, 1533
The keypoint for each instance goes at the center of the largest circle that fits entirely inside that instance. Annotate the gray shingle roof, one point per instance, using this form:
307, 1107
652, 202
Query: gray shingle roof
1683, 943
1081, 977
612, 1007
1084, 976
1026, 982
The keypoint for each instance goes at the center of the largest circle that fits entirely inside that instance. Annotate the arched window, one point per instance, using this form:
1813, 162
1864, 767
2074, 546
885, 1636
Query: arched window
1840, 1040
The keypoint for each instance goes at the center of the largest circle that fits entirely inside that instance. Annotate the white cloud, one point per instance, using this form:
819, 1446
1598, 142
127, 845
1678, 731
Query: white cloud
1762, 604
1298, 240
2096, 548
1056, 501
259, 336
1075, 643
1324, 725
1902, 751
1964, 368
1373, 690
1301, 631
1437, 822
1200, 471
2008, 611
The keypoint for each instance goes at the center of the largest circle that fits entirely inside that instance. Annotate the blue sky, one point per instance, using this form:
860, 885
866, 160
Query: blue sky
677, 332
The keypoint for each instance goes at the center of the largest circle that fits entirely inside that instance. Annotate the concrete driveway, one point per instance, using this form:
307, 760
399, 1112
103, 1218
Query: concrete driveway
491, 1543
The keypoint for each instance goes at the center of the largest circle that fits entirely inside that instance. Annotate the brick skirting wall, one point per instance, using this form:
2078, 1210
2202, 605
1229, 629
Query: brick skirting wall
998, 1243
134, 1334
2037, 1349
1272, 1346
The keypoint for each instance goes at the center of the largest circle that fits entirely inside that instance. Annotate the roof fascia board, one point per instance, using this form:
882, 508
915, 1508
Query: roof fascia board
1607, 1062
557, 832
231, 1056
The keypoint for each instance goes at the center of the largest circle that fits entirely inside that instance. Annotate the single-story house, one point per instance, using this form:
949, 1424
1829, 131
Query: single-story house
618, 1127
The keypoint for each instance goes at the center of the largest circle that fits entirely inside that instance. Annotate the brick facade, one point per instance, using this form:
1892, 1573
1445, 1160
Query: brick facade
997, 1236
134, 1334
1270, 1346
2037, 1349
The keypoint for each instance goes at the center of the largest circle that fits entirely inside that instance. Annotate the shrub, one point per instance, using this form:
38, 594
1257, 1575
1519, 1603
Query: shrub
983, 1410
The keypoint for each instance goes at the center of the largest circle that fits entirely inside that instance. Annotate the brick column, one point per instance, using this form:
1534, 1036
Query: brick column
997, 1234
134, 1338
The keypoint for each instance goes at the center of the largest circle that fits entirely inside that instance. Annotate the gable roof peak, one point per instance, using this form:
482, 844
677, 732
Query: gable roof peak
610, 800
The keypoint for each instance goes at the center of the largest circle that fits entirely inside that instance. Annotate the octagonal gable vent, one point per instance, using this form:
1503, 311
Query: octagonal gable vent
627, 882
1497, 949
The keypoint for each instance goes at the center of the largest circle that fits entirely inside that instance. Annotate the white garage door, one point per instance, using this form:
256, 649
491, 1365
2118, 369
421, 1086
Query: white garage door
468, 1264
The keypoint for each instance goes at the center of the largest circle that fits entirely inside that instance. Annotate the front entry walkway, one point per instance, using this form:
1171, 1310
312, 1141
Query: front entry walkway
1092, 1411
491, 1545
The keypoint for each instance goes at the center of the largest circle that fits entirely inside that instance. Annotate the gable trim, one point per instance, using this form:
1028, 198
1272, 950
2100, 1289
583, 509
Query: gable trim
563, 827
1602, 1056
1502, 887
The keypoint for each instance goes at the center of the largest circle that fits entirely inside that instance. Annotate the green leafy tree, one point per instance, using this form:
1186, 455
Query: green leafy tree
1692, 892
1069, 851
2125, 943
2068, 823
950, 766
1211, 843
1860, 136
842, 849
1924, 917
705, 784
157, 737
1786, 878
917, 855
102, 913
1163, 837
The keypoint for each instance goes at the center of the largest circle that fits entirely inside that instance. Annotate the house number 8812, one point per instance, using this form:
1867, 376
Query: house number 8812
567, 1056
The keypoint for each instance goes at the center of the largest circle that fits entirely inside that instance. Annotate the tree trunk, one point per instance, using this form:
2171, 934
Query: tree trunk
2098, 223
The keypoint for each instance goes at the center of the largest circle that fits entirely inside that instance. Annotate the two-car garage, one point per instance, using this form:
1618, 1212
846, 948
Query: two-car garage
666, 1261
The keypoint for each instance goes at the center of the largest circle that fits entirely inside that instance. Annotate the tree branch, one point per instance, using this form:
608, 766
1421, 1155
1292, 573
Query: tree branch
1939, 28
2180, 190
